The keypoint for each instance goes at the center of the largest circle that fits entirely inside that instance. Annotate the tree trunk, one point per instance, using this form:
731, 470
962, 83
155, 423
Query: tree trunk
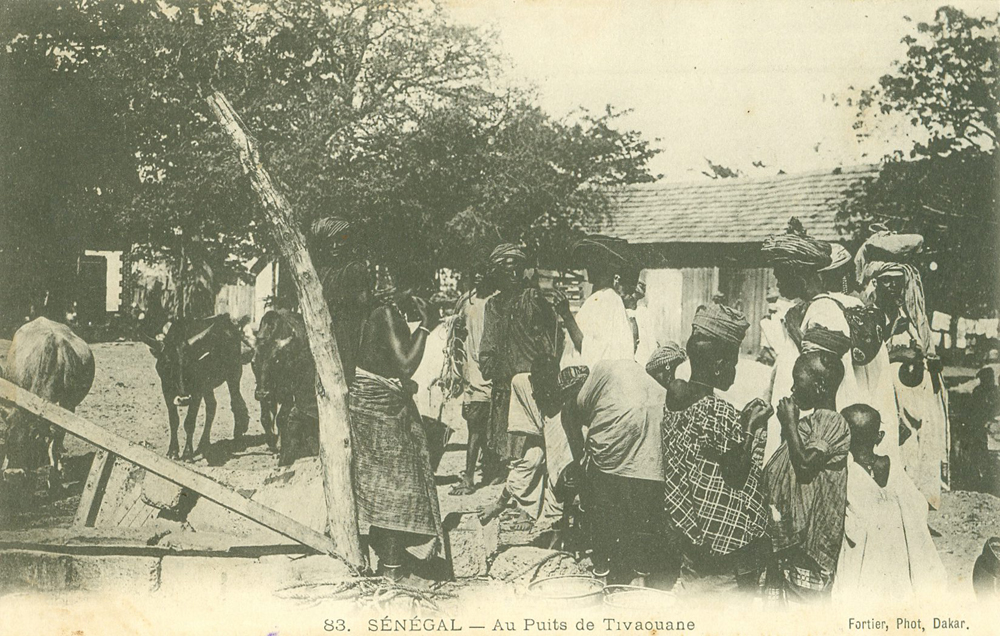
331, 390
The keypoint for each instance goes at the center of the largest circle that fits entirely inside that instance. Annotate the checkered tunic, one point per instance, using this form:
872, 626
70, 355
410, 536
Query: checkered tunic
698, 501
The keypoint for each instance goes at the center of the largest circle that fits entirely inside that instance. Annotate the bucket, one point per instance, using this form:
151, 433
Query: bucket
633, 597
568, 590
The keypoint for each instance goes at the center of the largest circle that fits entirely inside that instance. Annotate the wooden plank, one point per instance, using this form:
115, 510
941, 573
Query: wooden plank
148, 540
331, 388
166, 468
93, 491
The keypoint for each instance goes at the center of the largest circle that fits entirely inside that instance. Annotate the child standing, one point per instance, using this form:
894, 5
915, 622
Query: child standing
806, 480
887, 551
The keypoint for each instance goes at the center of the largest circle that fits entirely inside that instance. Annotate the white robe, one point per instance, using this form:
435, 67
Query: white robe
648, 343
607, 332
870, 384
887, 552
786, 352
925, 413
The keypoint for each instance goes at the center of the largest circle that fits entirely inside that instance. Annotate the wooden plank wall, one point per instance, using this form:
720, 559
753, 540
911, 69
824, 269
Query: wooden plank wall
700, 285
746, 289
235, 300
673, 296
663, 289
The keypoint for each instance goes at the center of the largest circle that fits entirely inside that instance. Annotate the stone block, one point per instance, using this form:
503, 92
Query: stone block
39, 571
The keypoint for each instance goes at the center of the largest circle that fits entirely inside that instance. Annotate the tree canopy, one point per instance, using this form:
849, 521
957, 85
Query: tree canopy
388, 114
942, 181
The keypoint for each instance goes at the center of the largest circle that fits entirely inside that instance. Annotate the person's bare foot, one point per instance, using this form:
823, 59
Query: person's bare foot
491, 512
550, 538
462, 489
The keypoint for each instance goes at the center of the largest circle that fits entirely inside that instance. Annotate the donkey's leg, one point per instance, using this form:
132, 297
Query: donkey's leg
175, 422
190, 420
268, 411
55, 451
241, 416
206, 433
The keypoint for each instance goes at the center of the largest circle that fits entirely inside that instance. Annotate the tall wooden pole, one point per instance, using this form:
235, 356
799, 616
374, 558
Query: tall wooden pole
331, 389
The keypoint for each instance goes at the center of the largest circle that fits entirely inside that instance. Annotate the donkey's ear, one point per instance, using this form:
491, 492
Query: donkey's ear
155, 345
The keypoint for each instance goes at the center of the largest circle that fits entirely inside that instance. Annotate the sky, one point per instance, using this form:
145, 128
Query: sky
733, 82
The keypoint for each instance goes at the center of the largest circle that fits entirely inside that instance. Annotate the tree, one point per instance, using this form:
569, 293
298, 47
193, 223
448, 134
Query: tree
944, 184
61, 161
386, 113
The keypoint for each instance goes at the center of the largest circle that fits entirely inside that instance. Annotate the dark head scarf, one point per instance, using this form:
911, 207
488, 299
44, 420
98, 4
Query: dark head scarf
796, 249
821, 338
720, 323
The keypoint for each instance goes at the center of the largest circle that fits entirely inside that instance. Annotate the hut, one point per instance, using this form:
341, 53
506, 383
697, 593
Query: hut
702, 239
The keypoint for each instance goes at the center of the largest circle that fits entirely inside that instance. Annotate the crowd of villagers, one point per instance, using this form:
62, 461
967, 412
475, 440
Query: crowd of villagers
628, 448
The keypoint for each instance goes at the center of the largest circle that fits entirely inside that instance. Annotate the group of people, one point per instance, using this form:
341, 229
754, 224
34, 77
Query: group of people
818, 488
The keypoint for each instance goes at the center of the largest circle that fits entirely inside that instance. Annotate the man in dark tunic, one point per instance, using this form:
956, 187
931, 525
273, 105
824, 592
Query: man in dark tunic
347, 285
520, 325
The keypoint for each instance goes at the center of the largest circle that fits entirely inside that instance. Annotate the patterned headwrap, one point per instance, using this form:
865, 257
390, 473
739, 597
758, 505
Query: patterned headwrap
796, 249
572, 378
839, 256
666, 356
720, 323
331, 231
819, 338
504, 251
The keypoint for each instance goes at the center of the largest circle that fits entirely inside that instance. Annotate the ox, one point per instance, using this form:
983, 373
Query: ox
51, 361
193, 358
286, 385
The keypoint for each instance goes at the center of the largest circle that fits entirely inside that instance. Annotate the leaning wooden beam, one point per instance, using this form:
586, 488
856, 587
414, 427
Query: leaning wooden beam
166, 468
331, 388
93, 491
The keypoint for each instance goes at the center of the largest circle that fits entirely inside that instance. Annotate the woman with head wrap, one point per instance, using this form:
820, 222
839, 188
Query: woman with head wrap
818, 268
712, 461
896, 287
393, 480
796, 259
